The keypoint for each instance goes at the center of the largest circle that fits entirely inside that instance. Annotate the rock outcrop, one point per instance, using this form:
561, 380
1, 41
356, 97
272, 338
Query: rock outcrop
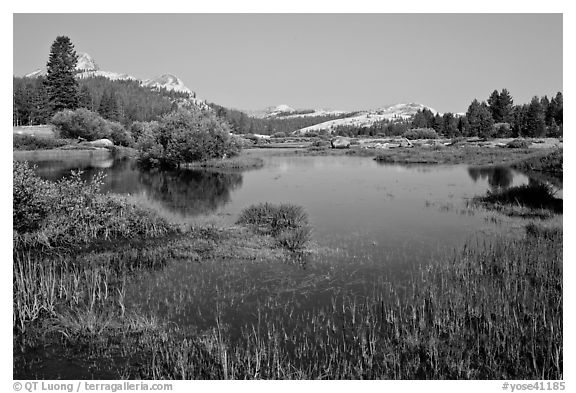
101, 143
340, 143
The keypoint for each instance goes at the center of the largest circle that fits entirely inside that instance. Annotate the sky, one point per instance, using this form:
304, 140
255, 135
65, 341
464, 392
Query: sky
333, 61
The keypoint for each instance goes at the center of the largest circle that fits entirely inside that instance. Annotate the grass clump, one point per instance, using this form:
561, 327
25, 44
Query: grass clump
535, 230
287, 223
534, 199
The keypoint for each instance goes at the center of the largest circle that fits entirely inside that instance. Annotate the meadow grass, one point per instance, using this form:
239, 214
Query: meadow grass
550, 162
491, 311
28, 142
455, 155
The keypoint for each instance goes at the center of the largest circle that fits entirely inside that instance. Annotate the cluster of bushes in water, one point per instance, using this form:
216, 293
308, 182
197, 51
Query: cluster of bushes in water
186, 136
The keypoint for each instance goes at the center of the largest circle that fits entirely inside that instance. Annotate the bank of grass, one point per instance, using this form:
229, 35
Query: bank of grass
29, 142
454, 155
549, 162
533, 200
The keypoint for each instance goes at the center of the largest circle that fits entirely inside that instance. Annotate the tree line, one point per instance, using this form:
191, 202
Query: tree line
36, 100
123, 101
127, 102
241, 123
495, 117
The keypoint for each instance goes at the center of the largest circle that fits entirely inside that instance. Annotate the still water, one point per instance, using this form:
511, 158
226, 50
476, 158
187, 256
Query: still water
372, 222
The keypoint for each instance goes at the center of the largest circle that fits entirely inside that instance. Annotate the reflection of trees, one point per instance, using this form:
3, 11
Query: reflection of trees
58, 169
190, 191
498, 177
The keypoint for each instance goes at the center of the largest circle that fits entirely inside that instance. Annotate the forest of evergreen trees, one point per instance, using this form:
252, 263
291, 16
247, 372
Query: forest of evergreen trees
123, 101
127, 101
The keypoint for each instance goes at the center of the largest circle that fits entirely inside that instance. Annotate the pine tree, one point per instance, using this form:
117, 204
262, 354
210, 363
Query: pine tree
480, 120
535, 120
506, 107
494, 106
108, 107
545, 103
519, 124
463, 125
450, 125
438, 123
558, 109
61, 84
85, 98
419, 120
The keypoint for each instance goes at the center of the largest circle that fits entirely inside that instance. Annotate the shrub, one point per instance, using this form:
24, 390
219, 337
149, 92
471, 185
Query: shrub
420, 133
139, 128
82, 123
518, 144
286, 222
502, 130
119, 135
28, 142
532, 196
279, 135
294, 239
31, 201
72, 212
186, 136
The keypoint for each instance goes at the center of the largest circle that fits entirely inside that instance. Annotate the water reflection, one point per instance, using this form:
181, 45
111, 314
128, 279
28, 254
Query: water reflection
498, 177
189, 192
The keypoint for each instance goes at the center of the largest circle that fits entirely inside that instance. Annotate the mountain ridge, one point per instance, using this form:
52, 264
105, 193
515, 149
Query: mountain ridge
87, 67
367, 118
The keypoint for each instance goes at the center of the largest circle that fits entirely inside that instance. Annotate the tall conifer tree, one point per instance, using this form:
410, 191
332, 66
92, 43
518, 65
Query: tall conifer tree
61, 84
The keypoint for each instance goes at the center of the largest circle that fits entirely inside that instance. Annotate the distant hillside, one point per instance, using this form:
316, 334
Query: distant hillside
368, 118
285, 111
88, 68
276, 121
118, 97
